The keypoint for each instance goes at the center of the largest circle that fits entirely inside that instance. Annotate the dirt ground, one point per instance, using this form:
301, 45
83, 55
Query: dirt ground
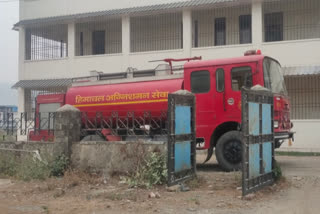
214, 192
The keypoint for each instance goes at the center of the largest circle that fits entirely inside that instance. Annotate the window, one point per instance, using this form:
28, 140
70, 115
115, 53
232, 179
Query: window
245, 29
220, 31
220, 80
98, 42
47, 42
196, 33
81, 43
200, 81
273, 24
273, 78
241, 76
156, 32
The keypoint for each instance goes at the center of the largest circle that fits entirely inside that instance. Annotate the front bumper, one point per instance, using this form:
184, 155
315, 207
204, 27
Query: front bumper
279, 138
283, 135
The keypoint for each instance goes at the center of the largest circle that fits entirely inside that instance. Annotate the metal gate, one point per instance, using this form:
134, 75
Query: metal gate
181, 138
258, 140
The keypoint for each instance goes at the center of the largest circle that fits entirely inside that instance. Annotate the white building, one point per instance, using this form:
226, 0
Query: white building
63, 39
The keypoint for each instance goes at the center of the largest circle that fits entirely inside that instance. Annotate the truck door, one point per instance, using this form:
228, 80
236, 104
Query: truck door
237, 76
202, 84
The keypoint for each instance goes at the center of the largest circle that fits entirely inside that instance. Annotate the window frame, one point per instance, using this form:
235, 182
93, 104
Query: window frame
243, 27
196, 33
224, 85
81, 44
209, 81
245, 66
217, 22
96, 51
268, 37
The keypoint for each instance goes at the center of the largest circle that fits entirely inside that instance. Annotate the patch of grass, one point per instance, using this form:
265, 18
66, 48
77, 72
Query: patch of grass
31, 169
45, 209
8, 164
151, 171
238, 177
26, 167
297, 153
119, 196
73, 178
4, 137
195, 182
195, 199
58, 165
277, 172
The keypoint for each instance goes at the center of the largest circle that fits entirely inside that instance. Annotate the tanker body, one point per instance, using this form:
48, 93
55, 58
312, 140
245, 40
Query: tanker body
137, 97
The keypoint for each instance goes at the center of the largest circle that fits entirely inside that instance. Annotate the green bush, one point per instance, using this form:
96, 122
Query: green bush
8, 164
152, 171
31, 168
277, 172
58, 166
27, 167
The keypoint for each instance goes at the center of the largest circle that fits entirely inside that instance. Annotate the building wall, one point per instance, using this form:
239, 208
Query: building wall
206, 23
288, 53
293, 53
300, 18
112, 28
304, 96
47, 8
156, 32
306, 137
82, 65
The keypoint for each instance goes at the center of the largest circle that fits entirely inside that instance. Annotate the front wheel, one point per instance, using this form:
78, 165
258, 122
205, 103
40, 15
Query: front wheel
229, 151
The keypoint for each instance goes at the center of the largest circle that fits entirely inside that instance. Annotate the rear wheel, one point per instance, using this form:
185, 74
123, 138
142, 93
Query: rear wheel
229, 151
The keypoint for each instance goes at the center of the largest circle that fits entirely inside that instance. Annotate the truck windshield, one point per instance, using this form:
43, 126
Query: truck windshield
273, 78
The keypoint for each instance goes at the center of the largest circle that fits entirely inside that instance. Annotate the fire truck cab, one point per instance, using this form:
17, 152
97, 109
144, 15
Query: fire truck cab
217, 85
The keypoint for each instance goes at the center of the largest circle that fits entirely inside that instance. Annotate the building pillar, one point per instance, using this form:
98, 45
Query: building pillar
125, 43
257, 24
22, 52
21, 99
187, 32
71, 40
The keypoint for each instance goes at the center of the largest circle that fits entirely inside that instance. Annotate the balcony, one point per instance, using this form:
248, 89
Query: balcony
286, 30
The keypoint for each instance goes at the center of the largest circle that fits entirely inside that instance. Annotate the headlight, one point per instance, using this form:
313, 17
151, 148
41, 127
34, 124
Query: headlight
276, 124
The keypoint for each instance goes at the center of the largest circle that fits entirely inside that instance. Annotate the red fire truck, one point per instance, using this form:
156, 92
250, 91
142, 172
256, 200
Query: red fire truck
217, 86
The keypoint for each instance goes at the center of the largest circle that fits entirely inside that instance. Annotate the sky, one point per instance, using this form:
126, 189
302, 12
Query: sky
9, 15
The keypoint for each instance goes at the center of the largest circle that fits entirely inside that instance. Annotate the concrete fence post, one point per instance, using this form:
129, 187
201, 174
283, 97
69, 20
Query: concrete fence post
67, 127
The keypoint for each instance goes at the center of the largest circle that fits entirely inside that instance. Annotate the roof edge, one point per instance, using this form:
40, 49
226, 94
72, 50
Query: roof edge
123, 11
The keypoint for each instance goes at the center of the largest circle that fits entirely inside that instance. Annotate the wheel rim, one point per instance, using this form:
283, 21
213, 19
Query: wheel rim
232, 151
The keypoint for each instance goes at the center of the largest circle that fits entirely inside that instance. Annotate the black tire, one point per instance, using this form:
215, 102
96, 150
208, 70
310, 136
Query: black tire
229, 151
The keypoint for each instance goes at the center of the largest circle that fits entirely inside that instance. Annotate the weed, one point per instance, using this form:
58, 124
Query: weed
8, 164
114, 196
195, 182
195, 199
26, 167
277, 172
58, 165
151, 171
45, 209
31, 169
237, 177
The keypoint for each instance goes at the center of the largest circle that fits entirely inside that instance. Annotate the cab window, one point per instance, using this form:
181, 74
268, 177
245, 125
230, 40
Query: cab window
220, 80
241, 77
200, 82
